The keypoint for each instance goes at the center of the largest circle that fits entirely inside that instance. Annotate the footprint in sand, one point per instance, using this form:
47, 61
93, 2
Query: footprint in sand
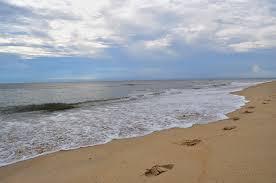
235, 118
158, 169
248, 112
251, 107
192, 142
266, 101
229, 128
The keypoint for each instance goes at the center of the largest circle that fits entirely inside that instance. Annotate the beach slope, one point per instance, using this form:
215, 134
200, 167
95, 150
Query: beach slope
240, 149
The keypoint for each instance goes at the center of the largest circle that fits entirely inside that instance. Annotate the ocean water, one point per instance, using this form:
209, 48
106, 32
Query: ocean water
46, 117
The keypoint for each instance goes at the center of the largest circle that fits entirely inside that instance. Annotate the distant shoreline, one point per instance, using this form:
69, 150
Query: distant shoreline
131, 80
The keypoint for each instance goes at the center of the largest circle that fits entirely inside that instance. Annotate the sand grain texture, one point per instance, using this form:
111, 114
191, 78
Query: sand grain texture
244, 155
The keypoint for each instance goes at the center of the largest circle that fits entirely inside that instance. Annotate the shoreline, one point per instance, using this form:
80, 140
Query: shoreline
26, 171
130, 137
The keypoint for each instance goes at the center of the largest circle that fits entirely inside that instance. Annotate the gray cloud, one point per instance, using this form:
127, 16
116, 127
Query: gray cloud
86, 28
11, 13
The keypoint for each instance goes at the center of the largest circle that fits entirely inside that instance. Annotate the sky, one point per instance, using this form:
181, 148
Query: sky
79, 40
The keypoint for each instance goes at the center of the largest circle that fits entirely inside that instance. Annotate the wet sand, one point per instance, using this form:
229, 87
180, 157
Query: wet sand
237, 150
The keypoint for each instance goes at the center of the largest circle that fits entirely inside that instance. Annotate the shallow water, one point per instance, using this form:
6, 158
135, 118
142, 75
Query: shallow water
103, 111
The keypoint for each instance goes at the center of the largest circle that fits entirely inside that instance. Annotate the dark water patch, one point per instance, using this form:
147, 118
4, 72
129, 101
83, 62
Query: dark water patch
49, 107
157, 93
129, 84
52, 107
135, 84
219, 85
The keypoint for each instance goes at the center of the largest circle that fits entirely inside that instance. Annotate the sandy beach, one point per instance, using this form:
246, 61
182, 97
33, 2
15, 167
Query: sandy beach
237, 150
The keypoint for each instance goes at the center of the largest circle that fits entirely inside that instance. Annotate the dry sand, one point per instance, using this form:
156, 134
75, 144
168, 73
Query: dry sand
243, 152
